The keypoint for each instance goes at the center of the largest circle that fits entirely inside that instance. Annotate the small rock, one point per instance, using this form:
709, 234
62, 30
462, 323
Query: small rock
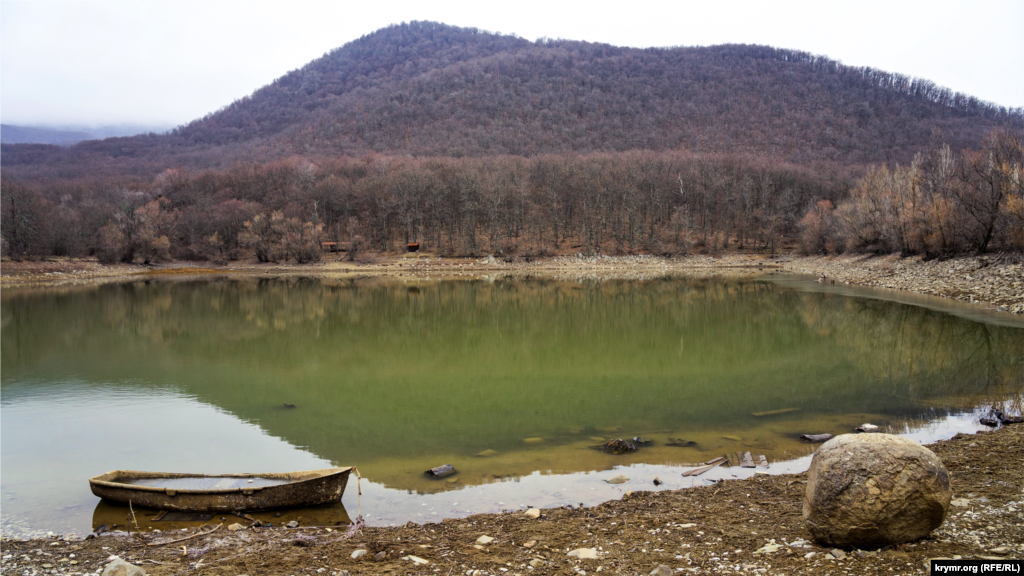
838, 554
484, 540
236, 527
641, 440
536, 563
441, 471
657, 481
380, 556
618, 446
487, 453
661, 570
866, 428
530, 544
415, 559
118, 567
768, 548
532, 513
960, 502
292, 524
584, 553
617, 480
356, 555
816, 437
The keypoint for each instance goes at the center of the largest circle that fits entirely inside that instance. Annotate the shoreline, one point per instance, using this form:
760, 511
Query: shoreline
752, 524
995, 281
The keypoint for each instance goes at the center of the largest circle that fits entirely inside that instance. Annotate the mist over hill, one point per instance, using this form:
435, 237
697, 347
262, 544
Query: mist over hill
430, 89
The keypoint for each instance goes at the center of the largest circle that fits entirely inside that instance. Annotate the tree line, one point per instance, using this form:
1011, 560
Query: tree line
514, 207
941, 203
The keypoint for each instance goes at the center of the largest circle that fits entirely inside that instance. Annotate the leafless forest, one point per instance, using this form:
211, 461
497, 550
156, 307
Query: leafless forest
471, 143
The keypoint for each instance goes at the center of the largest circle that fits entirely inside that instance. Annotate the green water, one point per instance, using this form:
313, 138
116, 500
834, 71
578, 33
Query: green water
396, 377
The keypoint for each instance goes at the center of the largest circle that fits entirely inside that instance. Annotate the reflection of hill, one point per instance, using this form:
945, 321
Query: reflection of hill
387, 370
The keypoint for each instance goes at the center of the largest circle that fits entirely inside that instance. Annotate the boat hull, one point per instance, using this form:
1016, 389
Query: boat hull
305, 488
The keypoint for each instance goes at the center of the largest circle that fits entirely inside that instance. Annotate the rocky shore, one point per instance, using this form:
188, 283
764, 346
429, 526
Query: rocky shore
752, 526
994, 280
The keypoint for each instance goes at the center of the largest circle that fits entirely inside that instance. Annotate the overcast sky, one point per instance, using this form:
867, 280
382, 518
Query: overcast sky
170, 61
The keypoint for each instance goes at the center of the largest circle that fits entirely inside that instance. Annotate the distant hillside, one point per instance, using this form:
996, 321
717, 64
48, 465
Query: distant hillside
430, 89
11, 134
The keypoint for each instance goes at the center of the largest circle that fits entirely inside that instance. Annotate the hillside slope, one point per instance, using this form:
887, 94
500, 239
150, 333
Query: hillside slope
435, 90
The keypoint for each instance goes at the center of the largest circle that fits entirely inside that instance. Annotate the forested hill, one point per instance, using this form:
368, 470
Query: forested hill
430, 89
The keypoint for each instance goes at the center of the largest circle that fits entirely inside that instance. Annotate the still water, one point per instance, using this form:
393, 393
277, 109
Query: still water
512, 381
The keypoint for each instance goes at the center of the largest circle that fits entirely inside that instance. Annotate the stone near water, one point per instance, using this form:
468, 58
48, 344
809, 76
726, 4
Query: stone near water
617, 480
866, 428
441, 471
236, 527
118, 567
532, 513
292, 524
618, 446
816, 437
874, 490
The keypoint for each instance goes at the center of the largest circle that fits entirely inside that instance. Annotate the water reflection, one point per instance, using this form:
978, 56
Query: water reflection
508, 380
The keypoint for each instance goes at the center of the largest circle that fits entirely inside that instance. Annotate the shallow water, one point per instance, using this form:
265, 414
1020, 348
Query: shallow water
515, 382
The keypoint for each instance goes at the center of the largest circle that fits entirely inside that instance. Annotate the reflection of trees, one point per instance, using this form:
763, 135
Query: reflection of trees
380, 367
920, 352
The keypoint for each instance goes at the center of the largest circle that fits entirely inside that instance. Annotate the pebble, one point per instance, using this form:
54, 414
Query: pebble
661, 570
484, 540
356, 555
532, 513
584, 553
617, 480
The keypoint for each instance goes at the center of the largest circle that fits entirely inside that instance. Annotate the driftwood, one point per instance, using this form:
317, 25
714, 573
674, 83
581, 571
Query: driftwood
441, 471
1007, 419
707, 466
208, 532
816, 437
775, 412
747, 461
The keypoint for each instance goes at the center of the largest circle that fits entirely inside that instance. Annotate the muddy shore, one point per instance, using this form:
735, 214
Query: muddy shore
996, 281
752, 526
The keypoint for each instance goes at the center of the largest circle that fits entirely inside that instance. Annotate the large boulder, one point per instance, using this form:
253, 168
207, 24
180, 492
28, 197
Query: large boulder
872, 490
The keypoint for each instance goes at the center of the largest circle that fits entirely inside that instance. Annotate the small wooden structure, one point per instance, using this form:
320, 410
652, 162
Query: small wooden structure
335, 246
414, 246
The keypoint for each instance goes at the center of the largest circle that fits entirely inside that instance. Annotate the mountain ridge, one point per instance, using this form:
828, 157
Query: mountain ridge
430, 89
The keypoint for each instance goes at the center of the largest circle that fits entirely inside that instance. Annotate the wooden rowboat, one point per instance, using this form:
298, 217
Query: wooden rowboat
221, 492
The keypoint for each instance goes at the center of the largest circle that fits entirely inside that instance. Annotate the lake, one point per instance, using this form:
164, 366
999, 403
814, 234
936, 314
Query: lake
515, 381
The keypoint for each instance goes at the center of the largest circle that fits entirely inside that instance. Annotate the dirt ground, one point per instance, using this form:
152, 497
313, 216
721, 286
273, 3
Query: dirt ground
730, 526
